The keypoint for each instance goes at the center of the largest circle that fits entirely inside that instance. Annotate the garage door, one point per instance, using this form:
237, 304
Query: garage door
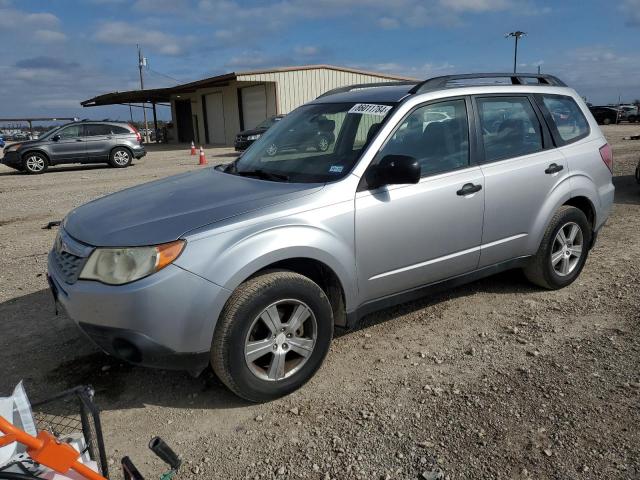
254, 105
215, 118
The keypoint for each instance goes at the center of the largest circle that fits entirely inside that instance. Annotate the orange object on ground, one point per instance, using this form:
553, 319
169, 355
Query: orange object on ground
46, 450
203, 159
193, 149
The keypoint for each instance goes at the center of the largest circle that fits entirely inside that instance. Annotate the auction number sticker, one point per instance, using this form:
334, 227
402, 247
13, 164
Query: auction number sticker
370, 109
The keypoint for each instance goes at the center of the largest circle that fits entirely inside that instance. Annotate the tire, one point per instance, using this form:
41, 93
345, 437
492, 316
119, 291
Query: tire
323, 144
542, 270
256, 378
34, 163
638, 173
272, 150
120, 157
606, 121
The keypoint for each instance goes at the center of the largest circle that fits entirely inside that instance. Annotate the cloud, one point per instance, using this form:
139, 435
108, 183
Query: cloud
17, 19
122, 33
46, 36
48, 63
631, 8
307, 51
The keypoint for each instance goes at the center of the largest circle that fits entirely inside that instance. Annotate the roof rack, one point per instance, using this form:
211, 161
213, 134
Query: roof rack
448, 81
360, 86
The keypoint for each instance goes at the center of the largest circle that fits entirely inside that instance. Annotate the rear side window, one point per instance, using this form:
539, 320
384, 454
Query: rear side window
510, 127
119, 130
96, 130
568, 120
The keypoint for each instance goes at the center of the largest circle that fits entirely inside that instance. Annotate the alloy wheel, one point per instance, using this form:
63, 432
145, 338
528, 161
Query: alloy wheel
121, 157
280, 340
567, 249
272, 149
35, 163
323, 144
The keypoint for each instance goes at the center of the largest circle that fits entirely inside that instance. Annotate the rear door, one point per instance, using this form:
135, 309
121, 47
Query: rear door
69, 146
521, 169
99, 139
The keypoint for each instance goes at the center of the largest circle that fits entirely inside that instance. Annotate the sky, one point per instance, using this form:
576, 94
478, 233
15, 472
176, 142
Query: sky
56, 53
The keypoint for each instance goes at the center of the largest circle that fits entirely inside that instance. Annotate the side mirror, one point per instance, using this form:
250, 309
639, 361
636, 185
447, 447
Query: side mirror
55, 138
394, 170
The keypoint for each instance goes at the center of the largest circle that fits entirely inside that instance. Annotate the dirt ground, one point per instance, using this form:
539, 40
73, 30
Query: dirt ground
497, 379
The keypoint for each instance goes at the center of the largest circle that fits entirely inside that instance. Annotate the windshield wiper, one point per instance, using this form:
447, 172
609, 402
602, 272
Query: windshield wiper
259, 173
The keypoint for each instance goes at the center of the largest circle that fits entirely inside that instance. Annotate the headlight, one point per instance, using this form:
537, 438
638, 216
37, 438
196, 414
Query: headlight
116, 266
13, 148
253, 137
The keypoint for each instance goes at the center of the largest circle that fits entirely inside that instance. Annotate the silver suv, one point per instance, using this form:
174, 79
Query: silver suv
249, 266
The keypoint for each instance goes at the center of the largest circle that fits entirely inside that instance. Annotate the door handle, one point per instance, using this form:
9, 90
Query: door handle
468, 189
553, 168
78, 140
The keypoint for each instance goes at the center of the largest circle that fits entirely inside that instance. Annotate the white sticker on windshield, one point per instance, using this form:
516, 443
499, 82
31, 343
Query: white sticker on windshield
336, 169
370, 109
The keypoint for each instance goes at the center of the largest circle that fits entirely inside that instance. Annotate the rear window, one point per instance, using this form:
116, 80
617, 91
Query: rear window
96, 130
568, 119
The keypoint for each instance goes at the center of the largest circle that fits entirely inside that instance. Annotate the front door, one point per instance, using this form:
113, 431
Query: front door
413, 235
521, 170
69, 145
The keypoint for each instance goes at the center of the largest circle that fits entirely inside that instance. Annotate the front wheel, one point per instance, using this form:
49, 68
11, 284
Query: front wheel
34, 163
120, 158
563, 250
272, 336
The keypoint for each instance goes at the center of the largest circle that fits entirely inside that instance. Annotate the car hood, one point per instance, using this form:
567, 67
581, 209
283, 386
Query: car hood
253, 131
165, 210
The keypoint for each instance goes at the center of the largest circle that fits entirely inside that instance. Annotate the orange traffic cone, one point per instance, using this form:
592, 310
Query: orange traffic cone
193, 149
203, 159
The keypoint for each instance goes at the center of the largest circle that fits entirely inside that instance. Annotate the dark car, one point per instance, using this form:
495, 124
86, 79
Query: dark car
316, 133
1, 141
79, 142
604, 115
247, 137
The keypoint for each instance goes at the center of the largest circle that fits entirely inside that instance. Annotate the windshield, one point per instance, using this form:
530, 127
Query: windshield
316, 143
48, 132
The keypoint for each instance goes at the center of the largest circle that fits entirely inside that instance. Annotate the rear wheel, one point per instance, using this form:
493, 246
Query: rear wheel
120, 157
563, 250
272, 335
35, 163
606, 121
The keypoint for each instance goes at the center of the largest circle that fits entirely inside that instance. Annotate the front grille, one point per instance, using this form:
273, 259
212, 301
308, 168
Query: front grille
68, 265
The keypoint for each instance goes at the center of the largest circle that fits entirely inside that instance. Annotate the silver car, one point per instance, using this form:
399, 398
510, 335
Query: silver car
250, 266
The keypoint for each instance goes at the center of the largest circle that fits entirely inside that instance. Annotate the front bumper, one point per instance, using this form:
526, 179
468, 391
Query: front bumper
241, 145
12, 159
165, 320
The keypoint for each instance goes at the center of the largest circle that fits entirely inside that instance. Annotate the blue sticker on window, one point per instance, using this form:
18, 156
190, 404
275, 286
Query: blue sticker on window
336, 169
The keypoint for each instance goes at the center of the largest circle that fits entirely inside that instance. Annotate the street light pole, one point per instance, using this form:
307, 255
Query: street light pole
517, 35
141, 63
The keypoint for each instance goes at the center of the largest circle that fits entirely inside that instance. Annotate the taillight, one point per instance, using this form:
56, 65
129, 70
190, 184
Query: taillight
607, 156
135, 130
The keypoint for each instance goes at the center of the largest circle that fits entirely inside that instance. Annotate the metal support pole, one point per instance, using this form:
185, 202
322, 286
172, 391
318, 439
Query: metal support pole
515, 56
31, 129
144, 111
155, 122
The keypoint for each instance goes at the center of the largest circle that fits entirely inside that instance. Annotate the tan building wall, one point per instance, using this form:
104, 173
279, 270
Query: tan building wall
285, 90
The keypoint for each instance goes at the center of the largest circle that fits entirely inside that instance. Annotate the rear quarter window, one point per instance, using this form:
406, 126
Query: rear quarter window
568, 123
120, 130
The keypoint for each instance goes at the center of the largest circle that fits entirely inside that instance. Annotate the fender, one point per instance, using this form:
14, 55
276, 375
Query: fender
229, 258
582, 185
560, 194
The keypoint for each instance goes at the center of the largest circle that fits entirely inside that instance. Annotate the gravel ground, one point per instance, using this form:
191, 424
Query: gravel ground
497, 379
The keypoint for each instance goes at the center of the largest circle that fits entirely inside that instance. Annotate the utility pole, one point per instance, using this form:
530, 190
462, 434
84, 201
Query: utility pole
141, 63
517, 35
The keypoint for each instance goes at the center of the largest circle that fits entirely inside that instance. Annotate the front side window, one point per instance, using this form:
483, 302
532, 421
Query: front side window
316, 143
437, 135
73, 131
567, 117
510, 127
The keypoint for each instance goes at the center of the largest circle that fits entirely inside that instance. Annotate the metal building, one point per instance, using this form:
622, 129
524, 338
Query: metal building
213, 110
